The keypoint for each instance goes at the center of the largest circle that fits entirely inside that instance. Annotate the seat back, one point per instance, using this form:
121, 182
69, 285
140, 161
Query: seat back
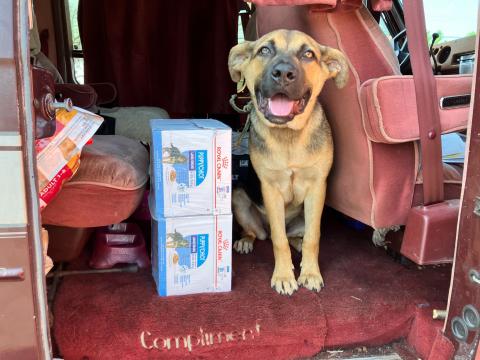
352, 189
374, 175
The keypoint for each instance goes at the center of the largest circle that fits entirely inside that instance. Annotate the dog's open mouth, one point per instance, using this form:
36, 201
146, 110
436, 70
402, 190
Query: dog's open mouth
279, 108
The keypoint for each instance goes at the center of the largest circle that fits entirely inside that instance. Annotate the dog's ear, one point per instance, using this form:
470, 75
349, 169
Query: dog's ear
336, 63
238, 58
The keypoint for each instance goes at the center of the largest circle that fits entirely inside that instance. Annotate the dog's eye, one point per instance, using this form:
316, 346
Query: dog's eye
309, 55
265, 51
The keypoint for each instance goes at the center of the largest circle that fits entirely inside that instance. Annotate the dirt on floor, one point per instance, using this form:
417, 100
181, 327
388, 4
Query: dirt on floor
393, 351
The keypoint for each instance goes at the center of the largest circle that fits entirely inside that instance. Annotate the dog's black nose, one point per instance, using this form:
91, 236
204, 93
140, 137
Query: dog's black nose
284, 73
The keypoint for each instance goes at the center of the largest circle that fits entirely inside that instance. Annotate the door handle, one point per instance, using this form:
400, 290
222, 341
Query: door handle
12, 273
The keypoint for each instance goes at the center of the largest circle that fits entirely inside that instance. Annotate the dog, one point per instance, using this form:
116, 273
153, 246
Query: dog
291, 148
172, 155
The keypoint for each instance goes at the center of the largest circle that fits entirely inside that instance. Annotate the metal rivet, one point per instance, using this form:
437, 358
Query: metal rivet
432, 134
459, 329
471, 317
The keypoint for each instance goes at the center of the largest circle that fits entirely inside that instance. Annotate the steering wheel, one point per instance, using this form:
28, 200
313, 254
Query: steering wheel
400, 46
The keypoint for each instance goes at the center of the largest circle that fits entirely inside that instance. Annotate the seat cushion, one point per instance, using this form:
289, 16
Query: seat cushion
452, 174
134, 122
107, 187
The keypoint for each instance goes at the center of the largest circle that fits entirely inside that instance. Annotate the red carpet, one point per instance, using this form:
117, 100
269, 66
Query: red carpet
368, 300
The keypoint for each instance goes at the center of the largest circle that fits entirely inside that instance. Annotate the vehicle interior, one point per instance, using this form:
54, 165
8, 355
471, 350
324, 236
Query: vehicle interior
389, 227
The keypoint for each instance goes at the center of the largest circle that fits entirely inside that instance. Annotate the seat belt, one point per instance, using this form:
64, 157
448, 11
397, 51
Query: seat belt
427, 102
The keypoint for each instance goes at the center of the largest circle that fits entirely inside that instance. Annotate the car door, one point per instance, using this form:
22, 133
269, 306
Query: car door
23, 315
463, 321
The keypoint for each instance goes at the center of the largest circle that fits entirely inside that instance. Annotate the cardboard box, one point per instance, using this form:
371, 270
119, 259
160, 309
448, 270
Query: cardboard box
192, 255
191, 167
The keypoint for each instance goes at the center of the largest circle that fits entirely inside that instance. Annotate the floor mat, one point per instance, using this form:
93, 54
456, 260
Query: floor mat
369, 300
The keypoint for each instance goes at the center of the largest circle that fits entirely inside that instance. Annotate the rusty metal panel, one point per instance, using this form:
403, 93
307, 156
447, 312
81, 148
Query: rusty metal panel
17, 324
465, 288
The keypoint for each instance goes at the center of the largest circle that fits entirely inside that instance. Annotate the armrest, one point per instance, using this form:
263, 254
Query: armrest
390, 108
83, 96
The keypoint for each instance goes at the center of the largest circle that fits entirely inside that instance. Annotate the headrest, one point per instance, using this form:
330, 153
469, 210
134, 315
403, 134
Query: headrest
329, 5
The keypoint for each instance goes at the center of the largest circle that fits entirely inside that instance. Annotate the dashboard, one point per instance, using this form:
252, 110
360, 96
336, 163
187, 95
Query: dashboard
448, 54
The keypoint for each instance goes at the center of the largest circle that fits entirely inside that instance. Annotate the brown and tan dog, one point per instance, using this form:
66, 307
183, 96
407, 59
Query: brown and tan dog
290, 146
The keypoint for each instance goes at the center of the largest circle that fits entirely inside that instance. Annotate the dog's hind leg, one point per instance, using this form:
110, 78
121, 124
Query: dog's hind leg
245, 244
296, 231
249, 217
296, 242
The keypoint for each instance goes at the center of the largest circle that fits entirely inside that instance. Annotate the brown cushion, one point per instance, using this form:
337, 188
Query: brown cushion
452, 174
107, 187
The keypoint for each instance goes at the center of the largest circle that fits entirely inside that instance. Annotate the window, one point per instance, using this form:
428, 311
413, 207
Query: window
383, 26
241, 35
77, 51
243, 15
450, 19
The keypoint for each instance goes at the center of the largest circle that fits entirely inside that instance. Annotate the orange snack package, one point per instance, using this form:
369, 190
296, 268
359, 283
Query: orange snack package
58, 157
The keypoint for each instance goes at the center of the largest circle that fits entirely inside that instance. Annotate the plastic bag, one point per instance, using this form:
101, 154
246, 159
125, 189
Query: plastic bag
58, 157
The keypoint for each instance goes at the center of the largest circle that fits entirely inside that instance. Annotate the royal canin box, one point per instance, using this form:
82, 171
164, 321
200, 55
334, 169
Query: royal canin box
192, 254
191, 167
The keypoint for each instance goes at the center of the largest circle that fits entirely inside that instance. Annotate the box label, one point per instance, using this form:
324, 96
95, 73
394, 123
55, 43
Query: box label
189, 167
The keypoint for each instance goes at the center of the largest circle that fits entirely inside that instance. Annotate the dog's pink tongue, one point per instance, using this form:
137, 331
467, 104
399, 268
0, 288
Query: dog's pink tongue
280, 105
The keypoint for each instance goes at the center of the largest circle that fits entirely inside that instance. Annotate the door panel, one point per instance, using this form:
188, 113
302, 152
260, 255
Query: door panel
23, 320
464, 301
12, 211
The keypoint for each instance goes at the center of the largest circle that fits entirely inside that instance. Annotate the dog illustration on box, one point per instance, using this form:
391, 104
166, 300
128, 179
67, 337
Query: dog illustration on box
172, 155
176, 240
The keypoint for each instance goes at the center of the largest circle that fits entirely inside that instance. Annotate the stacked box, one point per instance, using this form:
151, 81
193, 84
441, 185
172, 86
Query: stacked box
192, 254
191, 167
190, 204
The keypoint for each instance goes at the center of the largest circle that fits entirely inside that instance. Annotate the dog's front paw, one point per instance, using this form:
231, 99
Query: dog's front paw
312, 280
244, 245
284, 282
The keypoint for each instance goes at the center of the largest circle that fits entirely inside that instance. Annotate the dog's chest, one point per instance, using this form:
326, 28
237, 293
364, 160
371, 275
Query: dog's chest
290, 161
291, 170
